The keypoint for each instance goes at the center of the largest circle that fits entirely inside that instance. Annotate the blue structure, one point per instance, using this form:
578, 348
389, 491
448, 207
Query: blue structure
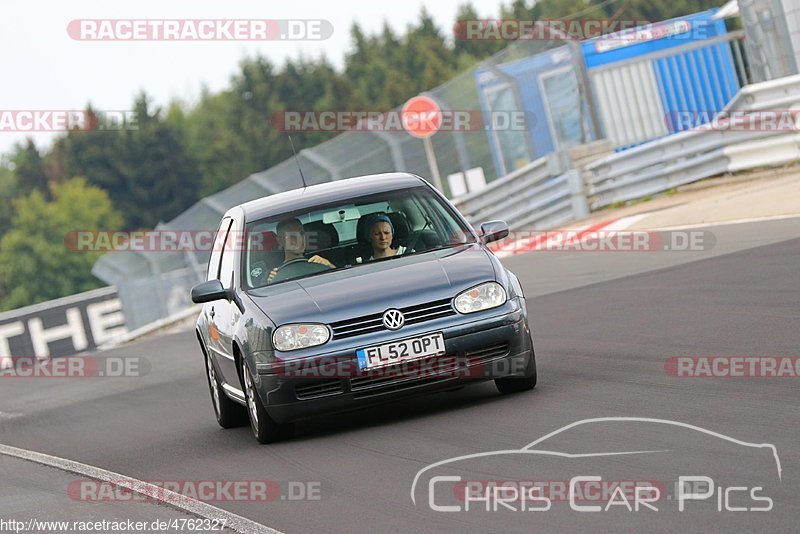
647, 82
681, 78
546, 88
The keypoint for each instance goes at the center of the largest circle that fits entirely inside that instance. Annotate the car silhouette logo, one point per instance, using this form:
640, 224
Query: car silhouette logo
393, 319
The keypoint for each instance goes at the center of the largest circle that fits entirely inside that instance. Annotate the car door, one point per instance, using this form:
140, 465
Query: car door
225, 313
215, 343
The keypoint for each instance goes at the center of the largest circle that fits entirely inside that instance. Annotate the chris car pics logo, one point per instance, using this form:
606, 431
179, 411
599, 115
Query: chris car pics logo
450, 485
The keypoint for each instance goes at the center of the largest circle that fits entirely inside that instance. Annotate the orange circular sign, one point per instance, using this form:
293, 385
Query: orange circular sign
421, 117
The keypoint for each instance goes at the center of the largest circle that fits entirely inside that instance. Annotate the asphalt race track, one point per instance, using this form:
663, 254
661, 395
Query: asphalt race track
604, 325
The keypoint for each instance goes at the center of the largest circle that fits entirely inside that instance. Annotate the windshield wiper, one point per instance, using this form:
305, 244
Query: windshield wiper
434, 249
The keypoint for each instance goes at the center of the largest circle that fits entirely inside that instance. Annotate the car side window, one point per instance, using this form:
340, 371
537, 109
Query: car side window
228, 256
216, 251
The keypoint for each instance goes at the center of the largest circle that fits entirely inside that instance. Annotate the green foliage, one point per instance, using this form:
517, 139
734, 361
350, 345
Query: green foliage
146, 171
35, 263
636, 10
29, 169
8, 190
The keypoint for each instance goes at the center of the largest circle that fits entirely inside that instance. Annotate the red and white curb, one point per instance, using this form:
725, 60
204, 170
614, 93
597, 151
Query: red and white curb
548, 240
566, 238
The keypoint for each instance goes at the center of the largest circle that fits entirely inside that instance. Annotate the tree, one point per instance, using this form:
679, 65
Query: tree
210, 135
474, 49
35, 263
145, 168
159, 174
635, 10
30, 169
8, 191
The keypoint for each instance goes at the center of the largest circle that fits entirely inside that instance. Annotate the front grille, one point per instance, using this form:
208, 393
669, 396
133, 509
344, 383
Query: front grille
319, 389
408, 374
405, 374
424, 371
374, 323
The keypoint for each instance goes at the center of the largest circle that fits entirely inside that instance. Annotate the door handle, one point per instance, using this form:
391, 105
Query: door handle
212, 314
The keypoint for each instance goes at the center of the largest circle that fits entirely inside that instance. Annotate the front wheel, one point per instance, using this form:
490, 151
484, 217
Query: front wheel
517, 384
229, 413
265, 429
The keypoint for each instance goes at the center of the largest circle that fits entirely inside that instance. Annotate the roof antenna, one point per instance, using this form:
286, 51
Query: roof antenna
297, 161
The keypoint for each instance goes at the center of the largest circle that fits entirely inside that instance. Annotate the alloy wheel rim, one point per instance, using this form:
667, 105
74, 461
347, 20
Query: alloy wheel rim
251, 403
212, 379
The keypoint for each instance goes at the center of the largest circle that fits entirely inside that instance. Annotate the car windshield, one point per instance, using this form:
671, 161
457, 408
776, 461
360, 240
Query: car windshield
348, 234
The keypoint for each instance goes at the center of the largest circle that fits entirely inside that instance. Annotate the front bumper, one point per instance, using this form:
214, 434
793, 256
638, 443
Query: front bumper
490, 345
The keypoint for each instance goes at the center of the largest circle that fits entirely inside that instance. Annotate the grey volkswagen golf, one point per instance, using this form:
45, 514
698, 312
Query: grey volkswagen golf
352, 293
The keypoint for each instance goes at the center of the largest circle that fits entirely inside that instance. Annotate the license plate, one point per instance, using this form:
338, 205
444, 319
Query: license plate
399, 351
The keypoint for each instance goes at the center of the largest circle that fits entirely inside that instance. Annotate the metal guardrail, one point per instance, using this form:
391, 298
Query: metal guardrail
769, 95
696, 154
541, 195
478, 204
538, 195
766, 152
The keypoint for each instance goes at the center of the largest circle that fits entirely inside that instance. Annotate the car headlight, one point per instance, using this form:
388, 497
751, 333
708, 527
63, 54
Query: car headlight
300, 336
483, 297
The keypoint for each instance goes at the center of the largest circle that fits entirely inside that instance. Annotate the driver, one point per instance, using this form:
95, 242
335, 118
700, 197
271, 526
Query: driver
292, 239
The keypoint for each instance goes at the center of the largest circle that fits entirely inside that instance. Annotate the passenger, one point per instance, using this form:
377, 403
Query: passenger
292, 239
381, 234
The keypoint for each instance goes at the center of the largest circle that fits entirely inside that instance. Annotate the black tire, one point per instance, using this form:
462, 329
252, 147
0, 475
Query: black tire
230, 414
265, 428
517, 384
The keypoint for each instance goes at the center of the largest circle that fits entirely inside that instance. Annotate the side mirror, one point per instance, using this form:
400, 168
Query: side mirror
209, 292
493, 231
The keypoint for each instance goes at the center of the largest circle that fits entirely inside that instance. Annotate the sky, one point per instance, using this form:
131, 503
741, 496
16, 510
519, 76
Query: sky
42, 68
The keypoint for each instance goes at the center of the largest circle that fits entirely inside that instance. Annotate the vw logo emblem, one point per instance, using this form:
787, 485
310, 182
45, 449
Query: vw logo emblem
393, 319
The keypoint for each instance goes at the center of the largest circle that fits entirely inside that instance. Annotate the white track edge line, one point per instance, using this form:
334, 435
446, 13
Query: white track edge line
765, 218
180, 502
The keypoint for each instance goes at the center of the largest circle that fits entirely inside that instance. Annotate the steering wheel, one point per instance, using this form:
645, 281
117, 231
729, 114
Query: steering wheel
297, 268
